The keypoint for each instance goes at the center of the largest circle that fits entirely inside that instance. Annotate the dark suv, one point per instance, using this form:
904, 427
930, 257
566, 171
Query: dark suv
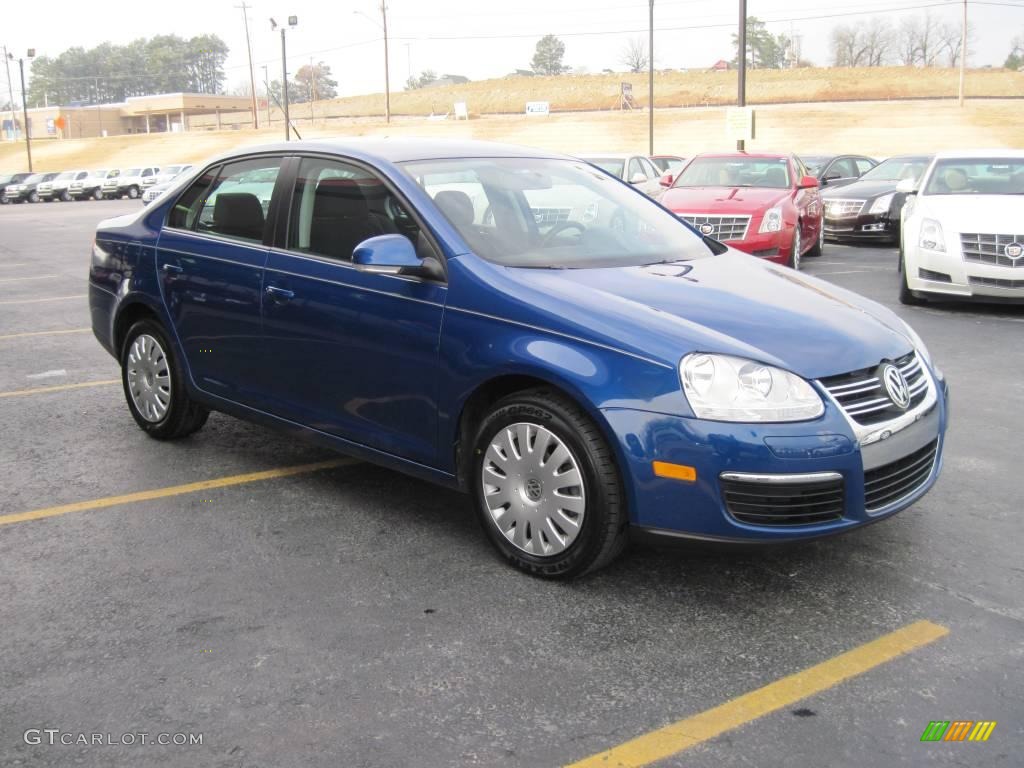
26, 190
8, 180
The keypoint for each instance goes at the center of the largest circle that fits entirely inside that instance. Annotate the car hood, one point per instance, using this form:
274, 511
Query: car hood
732, 303
991, 214
859, 190
721, 199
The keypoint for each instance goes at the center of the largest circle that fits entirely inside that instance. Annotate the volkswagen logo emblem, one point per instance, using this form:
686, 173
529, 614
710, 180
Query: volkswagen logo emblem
896, 386
707, 229
1014, 251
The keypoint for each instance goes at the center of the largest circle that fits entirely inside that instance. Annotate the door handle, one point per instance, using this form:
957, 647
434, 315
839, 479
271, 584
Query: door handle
279, 294
172, 268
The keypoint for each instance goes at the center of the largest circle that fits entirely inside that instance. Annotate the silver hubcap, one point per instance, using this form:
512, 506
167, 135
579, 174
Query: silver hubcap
796, 247
149, 378
533, 489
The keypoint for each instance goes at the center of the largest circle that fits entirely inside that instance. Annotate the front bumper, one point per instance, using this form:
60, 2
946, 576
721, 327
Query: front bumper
770, 246
947, 275
866, 227
700, 510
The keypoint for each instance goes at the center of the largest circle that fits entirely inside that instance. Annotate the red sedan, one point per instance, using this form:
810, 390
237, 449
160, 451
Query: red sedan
764, 204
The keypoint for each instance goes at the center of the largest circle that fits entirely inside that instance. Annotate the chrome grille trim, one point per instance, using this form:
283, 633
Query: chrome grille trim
891, 483
987, 248
871, 417
841, 208
995, 282
725, 227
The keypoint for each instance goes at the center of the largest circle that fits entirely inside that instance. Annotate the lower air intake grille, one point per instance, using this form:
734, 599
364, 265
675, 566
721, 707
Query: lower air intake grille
892, 482
784, 504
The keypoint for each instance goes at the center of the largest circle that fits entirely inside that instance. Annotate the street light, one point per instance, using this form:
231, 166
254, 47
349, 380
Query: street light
24, 105
387, 76
292, 22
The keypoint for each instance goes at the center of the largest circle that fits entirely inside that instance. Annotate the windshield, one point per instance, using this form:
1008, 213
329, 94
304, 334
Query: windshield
553, 214
977, 176
171, 170
770, 172
897, 169
668, 164
610, 164
133, 172
97, 174
815, 163
35, 178
66, 176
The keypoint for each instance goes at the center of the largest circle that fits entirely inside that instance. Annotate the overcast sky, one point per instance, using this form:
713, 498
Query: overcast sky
439, 34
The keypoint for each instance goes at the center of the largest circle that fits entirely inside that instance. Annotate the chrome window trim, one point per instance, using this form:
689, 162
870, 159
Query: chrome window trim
781, 478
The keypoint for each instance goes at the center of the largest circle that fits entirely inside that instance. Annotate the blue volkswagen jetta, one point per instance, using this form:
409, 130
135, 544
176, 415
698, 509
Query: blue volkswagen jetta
523, 327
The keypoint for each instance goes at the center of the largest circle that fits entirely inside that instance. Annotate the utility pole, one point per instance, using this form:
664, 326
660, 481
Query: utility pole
252, 73
10, 89
741, 96
650, 81
312, 89
284, 87
387, 74
24, 107
963, 54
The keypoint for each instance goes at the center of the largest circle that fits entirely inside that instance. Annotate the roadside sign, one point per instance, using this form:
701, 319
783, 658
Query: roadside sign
461, 111
538, 108
739, 123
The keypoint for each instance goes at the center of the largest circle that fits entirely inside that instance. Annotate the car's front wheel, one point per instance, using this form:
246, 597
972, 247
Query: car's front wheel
133, 192
819, 246
907, 296
154, 385
547, 489
33, 197
97, 195
794, 250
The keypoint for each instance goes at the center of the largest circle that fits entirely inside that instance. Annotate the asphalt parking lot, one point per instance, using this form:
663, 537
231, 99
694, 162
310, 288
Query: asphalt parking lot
350, 616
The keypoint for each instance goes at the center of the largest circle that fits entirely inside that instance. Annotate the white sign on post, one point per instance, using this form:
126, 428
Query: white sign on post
538, 108
739, 123
461, 111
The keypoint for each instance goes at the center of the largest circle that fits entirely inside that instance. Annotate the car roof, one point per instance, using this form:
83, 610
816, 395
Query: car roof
769, 155
395, 150
967, 154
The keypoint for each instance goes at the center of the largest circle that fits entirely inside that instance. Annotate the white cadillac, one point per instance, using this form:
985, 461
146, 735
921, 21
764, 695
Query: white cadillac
963, 229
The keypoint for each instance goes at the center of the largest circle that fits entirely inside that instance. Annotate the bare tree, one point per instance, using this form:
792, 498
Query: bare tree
848, 46
634, 55
951, 41
878, 42
919, 41
907, 40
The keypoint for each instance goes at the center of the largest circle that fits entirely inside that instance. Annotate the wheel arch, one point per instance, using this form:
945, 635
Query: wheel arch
129, 312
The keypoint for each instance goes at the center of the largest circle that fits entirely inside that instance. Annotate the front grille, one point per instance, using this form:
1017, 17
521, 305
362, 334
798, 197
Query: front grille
547, 217
863, 397
891, 482
995, 282
990, 249
723, 227
784, 504
842, 208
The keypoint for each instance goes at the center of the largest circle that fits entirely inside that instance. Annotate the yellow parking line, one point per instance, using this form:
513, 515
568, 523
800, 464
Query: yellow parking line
23, 279
681, 735
18, 264
27, 334
36, 301
58, 388
174, 490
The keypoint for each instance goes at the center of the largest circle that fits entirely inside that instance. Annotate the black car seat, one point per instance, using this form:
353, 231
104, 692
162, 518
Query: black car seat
341, 219
774, 177
238, 214
457, 206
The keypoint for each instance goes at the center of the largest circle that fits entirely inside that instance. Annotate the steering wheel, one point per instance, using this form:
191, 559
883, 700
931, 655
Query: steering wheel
558, 229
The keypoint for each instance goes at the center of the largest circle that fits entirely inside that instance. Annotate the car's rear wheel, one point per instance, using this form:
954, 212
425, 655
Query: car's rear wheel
154, 385
794, 250
133, 192
97, 195
66, 196
547, 490
33, 197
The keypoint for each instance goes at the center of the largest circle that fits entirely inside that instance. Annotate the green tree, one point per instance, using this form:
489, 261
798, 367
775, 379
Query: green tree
426, 77
1015, 60
547, 57
764, 50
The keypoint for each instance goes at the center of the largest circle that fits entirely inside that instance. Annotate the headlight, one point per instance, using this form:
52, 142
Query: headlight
931, 236
772, 221
881, 204
726, 388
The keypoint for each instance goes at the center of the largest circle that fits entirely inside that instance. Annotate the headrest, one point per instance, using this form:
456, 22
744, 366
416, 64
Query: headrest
456, 205
339, 198
239, 213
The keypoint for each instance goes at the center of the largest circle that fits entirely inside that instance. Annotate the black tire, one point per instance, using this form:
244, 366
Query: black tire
33, 197
3, 200
815, 252
794, 249
133, 192
66, 196
183, 416
907, 296
97, 195
603, 532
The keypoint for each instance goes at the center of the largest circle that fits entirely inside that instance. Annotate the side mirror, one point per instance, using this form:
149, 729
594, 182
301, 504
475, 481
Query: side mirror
808, 182
393, 255
907, 186
638, 178
666, 180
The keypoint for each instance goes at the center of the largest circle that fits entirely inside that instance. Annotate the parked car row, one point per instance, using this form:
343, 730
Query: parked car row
96, 184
